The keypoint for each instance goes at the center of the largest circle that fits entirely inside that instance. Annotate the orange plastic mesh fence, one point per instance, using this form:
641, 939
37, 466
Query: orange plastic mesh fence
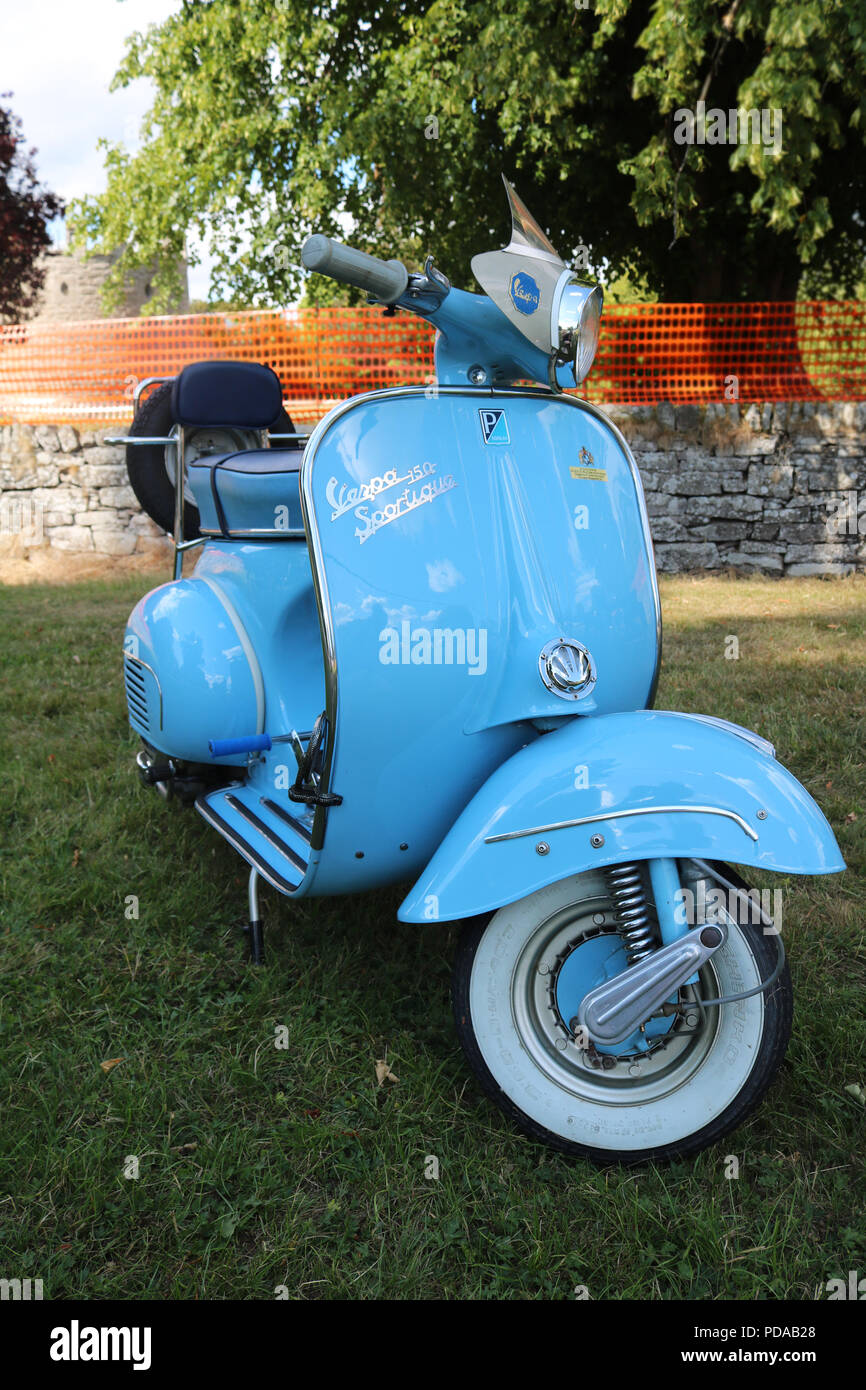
87, 372
794, 351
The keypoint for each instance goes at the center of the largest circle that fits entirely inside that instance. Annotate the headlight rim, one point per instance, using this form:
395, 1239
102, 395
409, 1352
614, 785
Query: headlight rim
569, 342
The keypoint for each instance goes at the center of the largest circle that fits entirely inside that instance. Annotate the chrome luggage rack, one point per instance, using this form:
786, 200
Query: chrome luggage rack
179, 439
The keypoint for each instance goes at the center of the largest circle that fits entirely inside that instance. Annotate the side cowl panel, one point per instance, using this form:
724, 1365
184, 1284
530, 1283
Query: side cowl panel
190, 672
619, 787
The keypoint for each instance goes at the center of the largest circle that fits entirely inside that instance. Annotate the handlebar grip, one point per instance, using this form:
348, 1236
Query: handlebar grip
384, 280
253, 743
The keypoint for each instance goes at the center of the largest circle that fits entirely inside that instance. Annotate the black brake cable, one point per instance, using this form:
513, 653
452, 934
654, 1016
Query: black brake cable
766, 921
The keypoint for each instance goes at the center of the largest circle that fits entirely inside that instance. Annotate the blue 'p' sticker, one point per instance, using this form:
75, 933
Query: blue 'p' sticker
494, 426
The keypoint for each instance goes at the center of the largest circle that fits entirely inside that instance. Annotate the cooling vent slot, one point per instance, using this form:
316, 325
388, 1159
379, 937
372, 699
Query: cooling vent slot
137, 677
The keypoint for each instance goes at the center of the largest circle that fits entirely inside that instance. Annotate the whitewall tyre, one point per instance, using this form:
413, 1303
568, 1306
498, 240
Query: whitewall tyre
693, 1083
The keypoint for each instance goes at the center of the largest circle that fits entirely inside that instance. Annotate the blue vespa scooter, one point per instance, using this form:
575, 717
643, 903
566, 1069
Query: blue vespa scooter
427, 649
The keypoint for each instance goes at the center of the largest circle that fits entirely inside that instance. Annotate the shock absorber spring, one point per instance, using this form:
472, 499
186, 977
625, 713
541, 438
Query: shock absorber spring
631, 911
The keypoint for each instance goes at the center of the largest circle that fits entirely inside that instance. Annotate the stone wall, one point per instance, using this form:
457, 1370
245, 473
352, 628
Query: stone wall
65, 488
775, 489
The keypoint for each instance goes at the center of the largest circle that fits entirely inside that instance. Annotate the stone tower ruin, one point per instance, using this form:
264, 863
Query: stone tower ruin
73, 289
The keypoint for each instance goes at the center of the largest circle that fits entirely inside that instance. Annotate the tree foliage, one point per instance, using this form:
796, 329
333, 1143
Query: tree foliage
273, 118
26, 207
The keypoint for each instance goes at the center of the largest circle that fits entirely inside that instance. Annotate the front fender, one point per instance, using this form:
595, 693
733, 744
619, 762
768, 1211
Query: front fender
647, 785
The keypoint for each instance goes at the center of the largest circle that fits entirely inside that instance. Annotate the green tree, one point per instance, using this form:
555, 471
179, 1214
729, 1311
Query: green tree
273, 118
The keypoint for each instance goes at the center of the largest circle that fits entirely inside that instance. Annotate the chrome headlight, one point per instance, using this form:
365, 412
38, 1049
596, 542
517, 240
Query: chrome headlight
576, 319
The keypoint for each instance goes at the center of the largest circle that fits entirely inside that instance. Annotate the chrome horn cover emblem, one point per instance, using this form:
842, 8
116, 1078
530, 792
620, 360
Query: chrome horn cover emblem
567, 669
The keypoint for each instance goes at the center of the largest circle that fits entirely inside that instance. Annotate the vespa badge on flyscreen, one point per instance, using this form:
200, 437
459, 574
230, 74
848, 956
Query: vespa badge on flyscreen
425, 647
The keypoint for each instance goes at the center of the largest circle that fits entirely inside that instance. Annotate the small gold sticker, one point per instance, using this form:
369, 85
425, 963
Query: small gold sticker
598, 475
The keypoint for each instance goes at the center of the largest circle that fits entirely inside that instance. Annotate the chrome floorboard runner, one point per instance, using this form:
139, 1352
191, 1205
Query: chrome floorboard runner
269, 836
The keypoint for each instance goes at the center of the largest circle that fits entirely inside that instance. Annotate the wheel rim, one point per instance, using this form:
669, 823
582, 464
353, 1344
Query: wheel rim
199, 444
674, 1053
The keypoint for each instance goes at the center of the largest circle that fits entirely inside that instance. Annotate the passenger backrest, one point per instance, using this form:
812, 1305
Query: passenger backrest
227, 394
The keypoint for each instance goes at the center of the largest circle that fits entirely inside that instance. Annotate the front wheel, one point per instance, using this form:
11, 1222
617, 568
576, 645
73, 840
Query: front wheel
686, 1081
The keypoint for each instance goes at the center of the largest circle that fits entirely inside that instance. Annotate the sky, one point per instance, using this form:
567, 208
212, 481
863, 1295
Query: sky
58, 57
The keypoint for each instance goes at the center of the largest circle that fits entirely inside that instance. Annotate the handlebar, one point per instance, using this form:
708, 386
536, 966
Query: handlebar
384, 280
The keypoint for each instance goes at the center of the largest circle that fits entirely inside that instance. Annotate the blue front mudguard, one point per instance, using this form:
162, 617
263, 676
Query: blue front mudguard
617, 787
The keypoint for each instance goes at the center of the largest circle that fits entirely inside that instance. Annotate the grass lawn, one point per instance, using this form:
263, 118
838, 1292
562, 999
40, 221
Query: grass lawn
260, 1166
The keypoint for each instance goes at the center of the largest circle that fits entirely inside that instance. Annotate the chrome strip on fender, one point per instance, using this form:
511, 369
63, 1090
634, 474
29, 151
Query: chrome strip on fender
616, 815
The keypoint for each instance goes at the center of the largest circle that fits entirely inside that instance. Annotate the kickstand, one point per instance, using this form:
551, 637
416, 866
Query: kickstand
256, 934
